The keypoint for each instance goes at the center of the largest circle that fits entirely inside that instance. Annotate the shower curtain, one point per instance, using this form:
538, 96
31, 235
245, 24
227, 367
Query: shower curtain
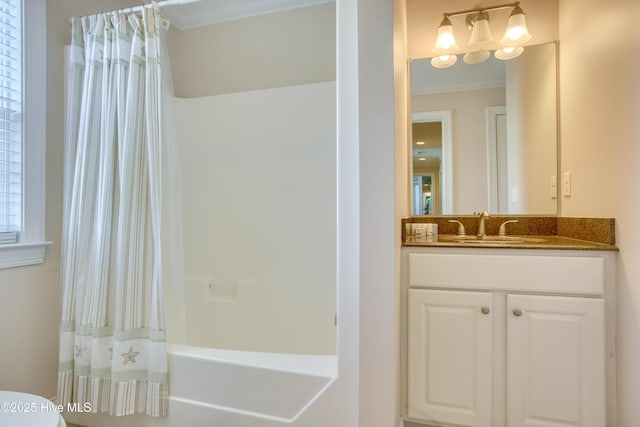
112, 333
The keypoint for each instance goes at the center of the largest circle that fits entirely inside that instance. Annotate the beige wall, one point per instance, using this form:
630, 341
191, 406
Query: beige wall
470, 147
600, 100
275, 50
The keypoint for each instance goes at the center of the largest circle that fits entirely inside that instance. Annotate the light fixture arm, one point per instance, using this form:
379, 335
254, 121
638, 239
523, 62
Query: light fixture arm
471, 18
480, 10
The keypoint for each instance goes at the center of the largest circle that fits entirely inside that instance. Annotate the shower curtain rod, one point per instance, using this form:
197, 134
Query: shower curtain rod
159, 4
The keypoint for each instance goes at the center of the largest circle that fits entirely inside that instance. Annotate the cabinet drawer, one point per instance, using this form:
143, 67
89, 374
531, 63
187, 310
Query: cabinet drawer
565, 274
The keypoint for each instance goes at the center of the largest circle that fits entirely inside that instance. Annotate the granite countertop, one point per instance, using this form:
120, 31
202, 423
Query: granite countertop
544, 232
548, 242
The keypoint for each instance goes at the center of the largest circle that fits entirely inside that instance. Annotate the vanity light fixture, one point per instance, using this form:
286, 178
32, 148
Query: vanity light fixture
480, 40
419, 142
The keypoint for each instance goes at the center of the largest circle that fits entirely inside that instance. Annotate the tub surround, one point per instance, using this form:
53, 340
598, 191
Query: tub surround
555, 232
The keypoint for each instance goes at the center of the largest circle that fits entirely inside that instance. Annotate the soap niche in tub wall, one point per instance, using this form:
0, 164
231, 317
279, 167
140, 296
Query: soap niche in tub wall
214, 290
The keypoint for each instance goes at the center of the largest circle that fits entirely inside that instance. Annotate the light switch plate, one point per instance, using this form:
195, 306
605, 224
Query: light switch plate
553, 181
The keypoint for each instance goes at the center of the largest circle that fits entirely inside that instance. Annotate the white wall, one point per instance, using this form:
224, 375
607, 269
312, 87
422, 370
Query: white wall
600, 100
259, 203
379, 225
470, 146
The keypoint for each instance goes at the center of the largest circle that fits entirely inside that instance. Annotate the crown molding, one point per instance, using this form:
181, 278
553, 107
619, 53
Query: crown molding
188, 14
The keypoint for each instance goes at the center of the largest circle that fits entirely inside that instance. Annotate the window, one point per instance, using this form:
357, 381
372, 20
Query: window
22, 131
10, 120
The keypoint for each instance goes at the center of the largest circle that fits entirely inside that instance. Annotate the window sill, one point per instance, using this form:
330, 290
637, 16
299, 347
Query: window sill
19, 254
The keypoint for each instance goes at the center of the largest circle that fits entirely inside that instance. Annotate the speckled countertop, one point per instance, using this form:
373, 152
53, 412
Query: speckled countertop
546, 232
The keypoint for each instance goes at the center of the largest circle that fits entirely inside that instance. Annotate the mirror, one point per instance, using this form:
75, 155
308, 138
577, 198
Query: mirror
484, 136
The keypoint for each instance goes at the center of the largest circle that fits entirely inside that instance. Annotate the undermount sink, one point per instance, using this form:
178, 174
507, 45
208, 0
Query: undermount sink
490, 239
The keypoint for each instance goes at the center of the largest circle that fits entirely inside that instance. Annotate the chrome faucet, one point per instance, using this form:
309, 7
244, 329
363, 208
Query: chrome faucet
483, 215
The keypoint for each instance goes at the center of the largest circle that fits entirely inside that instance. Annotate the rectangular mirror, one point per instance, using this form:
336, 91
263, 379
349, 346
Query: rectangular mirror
484, 136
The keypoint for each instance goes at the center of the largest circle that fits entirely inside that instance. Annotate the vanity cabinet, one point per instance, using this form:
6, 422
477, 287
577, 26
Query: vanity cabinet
509, 338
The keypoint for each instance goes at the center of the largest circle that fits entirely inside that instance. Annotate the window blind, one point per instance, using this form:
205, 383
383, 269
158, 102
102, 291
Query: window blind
10, 120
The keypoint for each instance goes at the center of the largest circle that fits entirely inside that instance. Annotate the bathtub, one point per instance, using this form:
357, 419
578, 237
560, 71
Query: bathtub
274, 387
231, 388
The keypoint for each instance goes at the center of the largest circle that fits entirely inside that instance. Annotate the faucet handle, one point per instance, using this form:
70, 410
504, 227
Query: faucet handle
503, 227
461, 230
482, 213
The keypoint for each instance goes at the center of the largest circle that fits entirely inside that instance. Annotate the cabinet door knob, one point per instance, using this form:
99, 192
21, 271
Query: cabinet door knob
517, 312
485, 310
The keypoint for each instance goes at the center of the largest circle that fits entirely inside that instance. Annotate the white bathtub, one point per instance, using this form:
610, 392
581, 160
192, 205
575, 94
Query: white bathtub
265, 386
230, 388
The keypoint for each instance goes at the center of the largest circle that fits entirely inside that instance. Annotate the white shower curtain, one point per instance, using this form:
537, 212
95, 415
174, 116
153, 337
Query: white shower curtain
112, 333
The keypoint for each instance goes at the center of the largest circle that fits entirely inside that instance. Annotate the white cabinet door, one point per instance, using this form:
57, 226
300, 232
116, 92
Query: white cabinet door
449, 357
556, 361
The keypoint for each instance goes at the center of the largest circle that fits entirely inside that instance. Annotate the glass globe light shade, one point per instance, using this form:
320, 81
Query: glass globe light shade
509, 52
481, 37
445, 41
517, 32
444, 61
476, 57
